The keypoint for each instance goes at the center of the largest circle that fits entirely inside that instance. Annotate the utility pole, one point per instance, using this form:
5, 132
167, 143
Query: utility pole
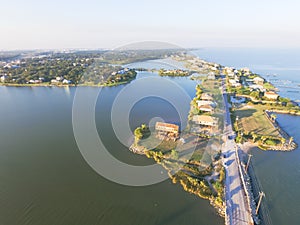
261, 195
248, 163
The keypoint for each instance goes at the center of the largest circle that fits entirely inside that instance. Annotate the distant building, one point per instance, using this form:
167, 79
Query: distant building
205, 120
245, 70
258, 80
167, 127
3, 78
229, 70
65, 81
271, 95
54, 81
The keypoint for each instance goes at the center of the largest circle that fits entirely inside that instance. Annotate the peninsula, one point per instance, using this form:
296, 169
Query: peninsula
200, 155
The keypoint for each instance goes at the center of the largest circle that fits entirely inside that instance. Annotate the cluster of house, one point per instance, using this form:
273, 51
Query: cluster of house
123, 71
234, 79
38, 81
257, 83
205, 123
166, 131
12, 65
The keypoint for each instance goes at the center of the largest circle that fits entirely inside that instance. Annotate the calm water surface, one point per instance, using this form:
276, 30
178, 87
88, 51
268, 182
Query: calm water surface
44, 179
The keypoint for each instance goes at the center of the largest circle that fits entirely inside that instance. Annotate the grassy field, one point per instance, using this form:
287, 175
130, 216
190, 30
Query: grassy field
253, 119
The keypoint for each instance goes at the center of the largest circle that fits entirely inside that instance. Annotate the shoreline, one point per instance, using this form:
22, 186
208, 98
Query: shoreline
141, 150
63, 86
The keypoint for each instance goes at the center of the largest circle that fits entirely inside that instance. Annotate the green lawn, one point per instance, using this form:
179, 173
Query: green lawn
253, 119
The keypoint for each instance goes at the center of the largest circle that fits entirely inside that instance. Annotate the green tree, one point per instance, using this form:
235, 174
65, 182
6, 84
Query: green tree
174, 154
138, 134
255, 94
254, 137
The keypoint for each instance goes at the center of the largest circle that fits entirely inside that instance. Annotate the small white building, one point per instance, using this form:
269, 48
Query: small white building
3, 78
65, 81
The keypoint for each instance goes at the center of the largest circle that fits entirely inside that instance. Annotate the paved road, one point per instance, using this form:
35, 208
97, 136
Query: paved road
237, 211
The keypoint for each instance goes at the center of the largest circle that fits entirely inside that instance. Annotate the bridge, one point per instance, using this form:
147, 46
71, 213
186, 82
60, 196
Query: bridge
238, 211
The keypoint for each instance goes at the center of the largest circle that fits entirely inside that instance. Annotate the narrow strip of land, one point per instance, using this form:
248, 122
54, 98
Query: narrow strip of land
237, 210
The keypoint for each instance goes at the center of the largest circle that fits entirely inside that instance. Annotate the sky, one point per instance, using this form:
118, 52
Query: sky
63, 24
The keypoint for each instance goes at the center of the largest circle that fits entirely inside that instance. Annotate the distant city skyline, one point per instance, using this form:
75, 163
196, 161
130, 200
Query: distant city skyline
94, 24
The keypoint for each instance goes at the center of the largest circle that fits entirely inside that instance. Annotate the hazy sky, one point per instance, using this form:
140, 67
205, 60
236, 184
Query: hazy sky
112, 23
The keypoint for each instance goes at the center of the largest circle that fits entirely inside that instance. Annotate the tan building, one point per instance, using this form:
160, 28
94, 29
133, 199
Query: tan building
271, 95
167, 127
205, 120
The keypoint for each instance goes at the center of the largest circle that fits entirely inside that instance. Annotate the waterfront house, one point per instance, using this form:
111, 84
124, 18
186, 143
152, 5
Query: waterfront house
271, 95
167, 127
167, 131
205, 120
